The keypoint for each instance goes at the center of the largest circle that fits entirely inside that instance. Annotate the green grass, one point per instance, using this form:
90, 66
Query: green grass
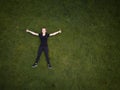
86, 56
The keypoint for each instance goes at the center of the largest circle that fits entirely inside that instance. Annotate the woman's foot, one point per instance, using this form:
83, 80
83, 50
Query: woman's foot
34, 65
49, 66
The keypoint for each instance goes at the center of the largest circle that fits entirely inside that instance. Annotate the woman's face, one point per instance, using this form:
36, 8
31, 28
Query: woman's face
44, 30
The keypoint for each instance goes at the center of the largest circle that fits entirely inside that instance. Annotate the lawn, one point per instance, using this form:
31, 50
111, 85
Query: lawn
85, 56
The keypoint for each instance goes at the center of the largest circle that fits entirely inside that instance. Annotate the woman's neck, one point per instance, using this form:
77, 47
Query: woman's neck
43, 34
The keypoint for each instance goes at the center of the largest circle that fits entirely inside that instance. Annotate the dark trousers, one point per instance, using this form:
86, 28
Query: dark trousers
45, 49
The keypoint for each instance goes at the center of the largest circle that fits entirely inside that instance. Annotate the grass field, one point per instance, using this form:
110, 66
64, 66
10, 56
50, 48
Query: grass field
86, 56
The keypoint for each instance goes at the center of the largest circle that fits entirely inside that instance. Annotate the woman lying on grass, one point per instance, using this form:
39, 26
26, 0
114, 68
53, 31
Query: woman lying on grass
43, 46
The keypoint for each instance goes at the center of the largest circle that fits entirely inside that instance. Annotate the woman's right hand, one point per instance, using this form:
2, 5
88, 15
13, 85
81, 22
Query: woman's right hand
60, 31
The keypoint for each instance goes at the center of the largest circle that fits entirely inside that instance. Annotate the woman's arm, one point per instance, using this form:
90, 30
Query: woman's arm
31, 32
55, 33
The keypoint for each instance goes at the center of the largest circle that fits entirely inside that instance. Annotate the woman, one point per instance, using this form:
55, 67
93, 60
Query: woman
43, 46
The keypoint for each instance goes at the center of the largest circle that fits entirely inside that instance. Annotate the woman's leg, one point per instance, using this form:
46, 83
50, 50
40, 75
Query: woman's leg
47, 56
39, 54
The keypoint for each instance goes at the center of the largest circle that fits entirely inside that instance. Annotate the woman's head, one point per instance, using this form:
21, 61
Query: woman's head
44, 30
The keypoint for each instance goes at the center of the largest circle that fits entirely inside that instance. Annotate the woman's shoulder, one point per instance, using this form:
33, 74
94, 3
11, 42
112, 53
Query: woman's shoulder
40, 33
47, 34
